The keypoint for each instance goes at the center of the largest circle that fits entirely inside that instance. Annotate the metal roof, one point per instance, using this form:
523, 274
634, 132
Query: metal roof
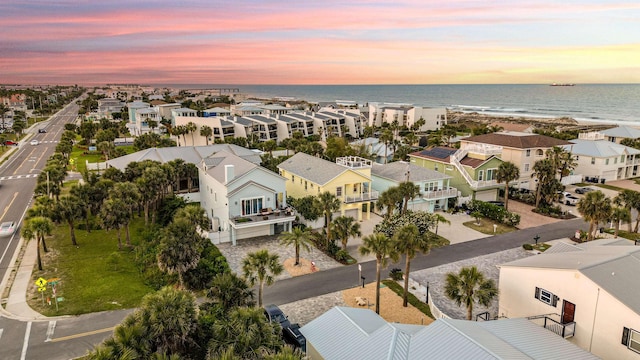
190, 154
262, 119
397, 171
312, 168
351, 333
623, 132
599, 148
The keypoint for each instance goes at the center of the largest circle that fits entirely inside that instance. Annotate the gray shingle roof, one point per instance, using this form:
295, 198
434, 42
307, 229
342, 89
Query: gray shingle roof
613, 267
314, 169
396, 171
222, 158
517, 140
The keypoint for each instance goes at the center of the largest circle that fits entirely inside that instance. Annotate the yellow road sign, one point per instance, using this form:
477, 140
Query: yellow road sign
41, 282
42, 289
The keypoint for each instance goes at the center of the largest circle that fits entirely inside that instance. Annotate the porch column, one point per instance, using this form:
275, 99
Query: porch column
232, 234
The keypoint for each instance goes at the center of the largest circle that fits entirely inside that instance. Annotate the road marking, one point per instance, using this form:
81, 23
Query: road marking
75, 336
50, 330
8, 206
25, 344
1, 331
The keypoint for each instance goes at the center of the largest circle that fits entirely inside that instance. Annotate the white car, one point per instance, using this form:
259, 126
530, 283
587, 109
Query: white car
7, 228
34, 142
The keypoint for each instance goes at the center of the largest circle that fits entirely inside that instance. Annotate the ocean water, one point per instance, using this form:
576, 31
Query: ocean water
603, 103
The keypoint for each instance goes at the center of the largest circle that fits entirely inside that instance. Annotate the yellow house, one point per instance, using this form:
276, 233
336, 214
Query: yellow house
349, 178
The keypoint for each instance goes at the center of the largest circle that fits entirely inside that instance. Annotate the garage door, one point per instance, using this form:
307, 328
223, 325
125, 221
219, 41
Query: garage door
487, 195
351, 212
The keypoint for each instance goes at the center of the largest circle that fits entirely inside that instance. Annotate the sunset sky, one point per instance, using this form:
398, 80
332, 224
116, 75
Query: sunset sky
319, 42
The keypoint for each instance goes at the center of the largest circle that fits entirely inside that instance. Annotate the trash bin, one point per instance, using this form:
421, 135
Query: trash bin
602, 181
601, 230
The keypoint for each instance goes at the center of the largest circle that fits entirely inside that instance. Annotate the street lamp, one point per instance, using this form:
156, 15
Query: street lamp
536, 238
427, 300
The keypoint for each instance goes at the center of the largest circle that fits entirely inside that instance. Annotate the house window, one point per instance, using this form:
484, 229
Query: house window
593, 161
546, 297
339, 191
528, 153
621, 158
539, 152
526, 167
606, 161
305, 184
293, 178
615, 160
631, 338
481, 175
491, 174
251, 206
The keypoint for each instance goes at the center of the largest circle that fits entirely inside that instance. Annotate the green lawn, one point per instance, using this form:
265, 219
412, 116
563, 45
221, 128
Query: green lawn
81, 156
486, 227
89, 283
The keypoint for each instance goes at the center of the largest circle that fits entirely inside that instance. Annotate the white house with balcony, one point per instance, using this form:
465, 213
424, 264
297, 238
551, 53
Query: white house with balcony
603, 160
406, 115
435, 190
242, 199
587, 293
615, 135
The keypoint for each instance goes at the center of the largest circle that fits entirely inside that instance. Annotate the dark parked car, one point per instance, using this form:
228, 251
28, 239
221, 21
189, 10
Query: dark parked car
583, 190
294, 337
275, 315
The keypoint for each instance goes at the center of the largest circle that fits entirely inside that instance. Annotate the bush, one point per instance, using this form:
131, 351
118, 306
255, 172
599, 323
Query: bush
395, 274
527, 247
495, 212
342, 255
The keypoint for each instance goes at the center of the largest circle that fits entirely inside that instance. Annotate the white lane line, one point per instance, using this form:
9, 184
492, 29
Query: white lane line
50, 330
1, 331
25, 344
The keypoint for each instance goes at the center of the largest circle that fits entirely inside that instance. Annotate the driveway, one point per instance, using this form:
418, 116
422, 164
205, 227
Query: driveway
528, 218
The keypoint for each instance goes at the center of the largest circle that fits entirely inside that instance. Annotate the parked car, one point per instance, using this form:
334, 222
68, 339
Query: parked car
275, 315
7, 228
583, 190
294, 337
9, 142
569, 199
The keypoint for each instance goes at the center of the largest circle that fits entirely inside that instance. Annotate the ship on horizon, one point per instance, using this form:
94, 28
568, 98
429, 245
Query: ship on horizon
563, 84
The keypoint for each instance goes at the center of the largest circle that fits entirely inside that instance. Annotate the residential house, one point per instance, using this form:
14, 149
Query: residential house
381, 152
242, 199
144, 117
616, 134
349, 178
513, 127
352, 333
603, 160
474, 175
407, 115
435, 190
108, 106
165, 110
275, 109
521, 149
216, 112
351, 121
588, 293
132, 108
221, 128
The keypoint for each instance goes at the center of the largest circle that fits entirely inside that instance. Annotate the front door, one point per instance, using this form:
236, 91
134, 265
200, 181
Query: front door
568, 311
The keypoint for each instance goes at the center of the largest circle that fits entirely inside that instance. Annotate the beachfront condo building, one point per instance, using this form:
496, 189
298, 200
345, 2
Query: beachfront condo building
407, 115
349, 179
603, 160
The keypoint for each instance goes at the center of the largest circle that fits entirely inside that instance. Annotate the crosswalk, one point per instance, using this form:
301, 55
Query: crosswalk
70, 176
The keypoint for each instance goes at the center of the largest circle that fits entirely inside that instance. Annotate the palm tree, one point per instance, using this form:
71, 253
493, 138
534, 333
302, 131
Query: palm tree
299, 238
628, 199
191, 127
383, 248
390, 199
206, 131
229, 291
114, 215
328, 203
386, 137
409, 241
507, 172
468, 287
193, 214
345, 227
594, 207
38, 227
129, 194
261, 267
408, 191
618, 215
440, 219
69, 209
180, 249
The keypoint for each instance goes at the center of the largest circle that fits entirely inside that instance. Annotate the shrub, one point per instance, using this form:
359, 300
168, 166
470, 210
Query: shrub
527, 247
495, 212
342, 255
395, 274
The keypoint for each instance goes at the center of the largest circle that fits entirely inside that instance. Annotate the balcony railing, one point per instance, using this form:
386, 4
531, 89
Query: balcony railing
254, 220
548, 322
370, 196
440, 194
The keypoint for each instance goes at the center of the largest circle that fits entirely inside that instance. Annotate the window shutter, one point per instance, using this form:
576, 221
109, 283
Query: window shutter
537, 296
625, 336
554, 301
